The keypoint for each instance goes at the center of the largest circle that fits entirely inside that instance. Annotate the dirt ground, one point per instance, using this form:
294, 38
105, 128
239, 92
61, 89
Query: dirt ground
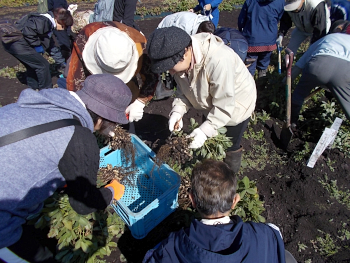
295, 200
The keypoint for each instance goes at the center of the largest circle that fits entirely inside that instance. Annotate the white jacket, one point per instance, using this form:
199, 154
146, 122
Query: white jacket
185, 20
219, 84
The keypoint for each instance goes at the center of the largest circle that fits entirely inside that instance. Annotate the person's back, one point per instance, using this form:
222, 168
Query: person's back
185, 20
218, 237
234, 39
258, 22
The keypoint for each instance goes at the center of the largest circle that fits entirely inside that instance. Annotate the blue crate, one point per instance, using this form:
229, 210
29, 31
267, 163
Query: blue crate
152, 194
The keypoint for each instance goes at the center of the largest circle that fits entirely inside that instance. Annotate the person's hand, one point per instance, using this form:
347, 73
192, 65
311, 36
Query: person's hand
116, 188
39, 49
279, 40
107, 128
174, 118
207, 7
135, 110
191, 10
199, 138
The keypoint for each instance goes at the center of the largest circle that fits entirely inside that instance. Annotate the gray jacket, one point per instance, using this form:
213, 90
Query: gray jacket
31, 169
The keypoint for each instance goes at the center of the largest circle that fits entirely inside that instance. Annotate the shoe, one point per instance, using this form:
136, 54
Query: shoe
233, 159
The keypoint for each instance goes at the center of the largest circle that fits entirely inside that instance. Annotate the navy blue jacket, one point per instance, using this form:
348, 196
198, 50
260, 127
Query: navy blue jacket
235, 242
258, 21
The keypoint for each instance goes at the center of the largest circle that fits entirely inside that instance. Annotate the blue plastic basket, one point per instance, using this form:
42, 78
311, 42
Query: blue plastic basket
150, 196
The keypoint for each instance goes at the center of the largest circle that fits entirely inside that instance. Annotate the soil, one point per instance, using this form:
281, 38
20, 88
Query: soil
292, 193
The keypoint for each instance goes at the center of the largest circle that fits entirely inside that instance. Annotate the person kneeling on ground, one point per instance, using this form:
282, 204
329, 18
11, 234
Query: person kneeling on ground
112, 48
217, 237
210, 77
37, 31
33, 168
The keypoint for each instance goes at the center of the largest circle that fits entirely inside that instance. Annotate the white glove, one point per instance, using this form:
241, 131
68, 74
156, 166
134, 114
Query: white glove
199, 138
175, 116
72, 8
279, 41
135, 111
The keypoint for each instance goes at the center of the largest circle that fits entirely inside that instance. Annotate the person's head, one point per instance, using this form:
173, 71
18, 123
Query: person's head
106, 98
213, 189
206, 27
169, 48
339, 26
62, 17
294, 6
111, 51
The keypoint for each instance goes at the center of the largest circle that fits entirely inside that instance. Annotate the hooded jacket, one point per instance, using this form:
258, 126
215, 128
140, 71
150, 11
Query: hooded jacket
185, 20
258, 21
235, 242
32, 169
219, 84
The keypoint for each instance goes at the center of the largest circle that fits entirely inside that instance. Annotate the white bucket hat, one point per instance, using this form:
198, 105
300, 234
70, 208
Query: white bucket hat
110, 50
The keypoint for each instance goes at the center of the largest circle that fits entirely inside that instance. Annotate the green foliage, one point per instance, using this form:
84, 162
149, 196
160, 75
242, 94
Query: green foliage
341, 196
250, 207
325, 245
301, 247
303, 154
11, 72
214, 147
81, 238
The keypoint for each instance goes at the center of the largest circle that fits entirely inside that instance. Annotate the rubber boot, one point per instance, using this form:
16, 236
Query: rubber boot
233, 159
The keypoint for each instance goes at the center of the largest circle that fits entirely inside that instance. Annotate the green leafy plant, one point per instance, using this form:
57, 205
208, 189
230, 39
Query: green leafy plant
250, 207
325, 244
341, 196
80, 238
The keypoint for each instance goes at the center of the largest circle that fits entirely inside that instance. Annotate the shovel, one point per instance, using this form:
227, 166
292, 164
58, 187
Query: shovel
287, 133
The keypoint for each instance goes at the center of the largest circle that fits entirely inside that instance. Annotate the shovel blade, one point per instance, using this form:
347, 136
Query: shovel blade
285, 137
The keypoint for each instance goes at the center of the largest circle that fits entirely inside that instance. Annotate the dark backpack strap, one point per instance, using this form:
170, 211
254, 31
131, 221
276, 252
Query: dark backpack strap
35, 130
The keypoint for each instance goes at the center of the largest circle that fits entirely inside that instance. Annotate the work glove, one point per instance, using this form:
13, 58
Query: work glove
39, 49
116, 188
199, 138
279, 41
107, 128
135, 110
174, 118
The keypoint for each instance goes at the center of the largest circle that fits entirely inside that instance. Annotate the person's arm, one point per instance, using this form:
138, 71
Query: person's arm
50, 4
215, 3
242, 17
285, 24
55, 53
34, 27
129, 12
79, 166
319, 20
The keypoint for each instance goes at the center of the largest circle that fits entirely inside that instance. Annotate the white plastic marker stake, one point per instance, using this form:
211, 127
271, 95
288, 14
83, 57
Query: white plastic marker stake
325, 141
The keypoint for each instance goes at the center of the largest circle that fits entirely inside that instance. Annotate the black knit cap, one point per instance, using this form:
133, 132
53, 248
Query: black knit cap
166, 47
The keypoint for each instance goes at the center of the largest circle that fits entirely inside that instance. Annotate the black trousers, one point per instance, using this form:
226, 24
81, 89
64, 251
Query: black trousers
34, 246
38, 68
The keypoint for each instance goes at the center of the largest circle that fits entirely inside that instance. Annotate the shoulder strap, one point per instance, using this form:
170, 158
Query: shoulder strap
35, 130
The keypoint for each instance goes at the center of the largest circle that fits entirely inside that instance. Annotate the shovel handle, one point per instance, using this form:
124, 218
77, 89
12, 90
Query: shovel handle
279, 60
289, 62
